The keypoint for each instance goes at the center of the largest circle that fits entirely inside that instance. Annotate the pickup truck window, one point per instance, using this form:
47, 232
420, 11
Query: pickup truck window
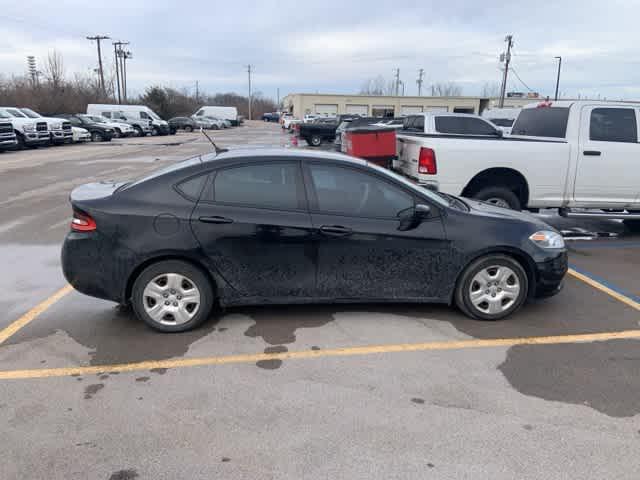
542, 122
463, 126
613, 125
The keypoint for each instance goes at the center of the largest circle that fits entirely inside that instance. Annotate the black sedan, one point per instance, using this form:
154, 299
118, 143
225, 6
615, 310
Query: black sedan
99, 131
281, 226
183, 123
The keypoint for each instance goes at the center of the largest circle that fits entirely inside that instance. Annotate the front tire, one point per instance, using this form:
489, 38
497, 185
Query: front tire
172, 296
96, 137
492, 288
188, 129
499, 196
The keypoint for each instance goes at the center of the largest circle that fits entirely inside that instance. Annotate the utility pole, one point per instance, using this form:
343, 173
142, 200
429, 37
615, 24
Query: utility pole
419, 81
98, 38
505, 57
397, 81
123, 55
558, 79
249, 73
33, 70
118, 52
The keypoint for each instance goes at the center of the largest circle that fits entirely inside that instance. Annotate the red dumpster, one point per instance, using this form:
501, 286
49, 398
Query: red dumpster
373, 143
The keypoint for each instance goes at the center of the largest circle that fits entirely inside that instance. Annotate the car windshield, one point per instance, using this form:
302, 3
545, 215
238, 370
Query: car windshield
153, 115
14, 112
30, 113
4, 115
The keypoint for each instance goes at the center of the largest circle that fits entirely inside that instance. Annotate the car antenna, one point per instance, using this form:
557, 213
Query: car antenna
217, 149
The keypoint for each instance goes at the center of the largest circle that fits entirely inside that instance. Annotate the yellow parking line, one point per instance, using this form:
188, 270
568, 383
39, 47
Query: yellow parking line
603, 288
334, 352
32, 314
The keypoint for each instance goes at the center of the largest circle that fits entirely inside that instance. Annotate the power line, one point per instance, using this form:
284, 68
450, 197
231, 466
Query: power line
521, 81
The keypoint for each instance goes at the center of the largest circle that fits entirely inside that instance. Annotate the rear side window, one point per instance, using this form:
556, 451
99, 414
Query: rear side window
106, 114
274, 185
542, 122
613, 125
463, 126
191, 188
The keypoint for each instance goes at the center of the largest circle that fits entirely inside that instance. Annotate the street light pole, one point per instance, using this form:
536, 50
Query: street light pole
558, 79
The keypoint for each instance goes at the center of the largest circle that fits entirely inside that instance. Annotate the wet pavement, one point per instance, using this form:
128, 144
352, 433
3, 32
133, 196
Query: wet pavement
564, 410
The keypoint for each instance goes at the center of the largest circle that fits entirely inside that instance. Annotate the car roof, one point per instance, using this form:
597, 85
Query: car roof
278, 153
569, 103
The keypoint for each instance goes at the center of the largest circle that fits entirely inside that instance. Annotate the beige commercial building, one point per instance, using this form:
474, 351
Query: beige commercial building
301, 104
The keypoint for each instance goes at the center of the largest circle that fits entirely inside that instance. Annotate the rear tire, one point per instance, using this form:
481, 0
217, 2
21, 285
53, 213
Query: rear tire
315, 140
498, 297
499, 196
188, 128
189, 297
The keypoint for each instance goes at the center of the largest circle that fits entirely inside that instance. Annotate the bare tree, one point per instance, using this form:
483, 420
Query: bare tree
54, 69
490, 89
374, 86
446, 89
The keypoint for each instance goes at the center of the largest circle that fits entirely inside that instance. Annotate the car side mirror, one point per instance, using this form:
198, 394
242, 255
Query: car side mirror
412, 217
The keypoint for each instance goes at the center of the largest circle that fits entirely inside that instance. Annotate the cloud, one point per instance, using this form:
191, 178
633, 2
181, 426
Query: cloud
335, 46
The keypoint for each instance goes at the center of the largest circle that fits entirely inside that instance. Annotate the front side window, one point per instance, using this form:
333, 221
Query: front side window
345, 191
613, 125
145, 116
106, 114
273, 185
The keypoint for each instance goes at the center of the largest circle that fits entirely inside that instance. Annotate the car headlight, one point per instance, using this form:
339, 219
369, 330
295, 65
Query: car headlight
547, 239
29, 127
56, 126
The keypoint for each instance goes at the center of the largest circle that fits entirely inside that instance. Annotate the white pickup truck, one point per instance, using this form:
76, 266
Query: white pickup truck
565, 155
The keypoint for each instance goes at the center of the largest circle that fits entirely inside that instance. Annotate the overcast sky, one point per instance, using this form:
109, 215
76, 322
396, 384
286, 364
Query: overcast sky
334, 46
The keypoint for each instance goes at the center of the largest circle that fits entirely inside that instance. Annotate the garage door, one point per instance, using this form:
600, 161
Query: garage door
437, 109
358, 110
410, 109
325, 109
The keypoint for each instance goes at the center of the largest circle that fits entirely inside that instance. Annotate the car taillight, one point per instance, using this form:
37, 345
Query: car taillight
82, 222
427, 161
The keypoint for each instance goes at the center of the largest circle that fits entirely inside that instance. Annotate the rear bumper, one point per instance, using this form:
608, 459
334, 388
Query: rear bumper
550, 275
92, 267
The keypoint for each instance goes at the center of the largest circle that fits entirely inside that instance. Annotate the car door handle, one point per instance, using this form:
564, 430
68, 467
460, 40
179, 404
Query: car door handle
215, 219
335, 230
592, 153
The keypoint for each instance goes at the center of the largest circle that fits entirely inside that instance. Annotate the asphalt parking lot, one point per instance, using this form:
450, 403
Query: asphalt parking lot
332, 391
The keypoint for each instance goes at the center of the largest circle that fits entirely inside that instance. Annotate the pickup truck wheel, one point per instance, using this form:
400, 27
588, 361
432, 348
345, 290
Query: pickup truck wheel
315, 140
492, 287
499, 196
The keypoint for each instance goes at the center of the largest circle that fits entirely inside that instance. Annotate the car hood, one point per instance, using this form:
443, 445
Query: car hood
490, 210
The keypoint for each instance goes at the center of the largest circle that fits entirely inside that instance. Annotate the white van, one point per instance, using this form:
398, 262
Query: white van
141, 117
226, 113
503, 118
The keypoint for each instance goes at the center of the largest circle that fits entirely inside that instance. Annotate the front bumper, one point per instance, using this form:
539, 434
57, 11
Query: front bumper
550, 274
37, 137
61, 136
162, 129
8, 143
